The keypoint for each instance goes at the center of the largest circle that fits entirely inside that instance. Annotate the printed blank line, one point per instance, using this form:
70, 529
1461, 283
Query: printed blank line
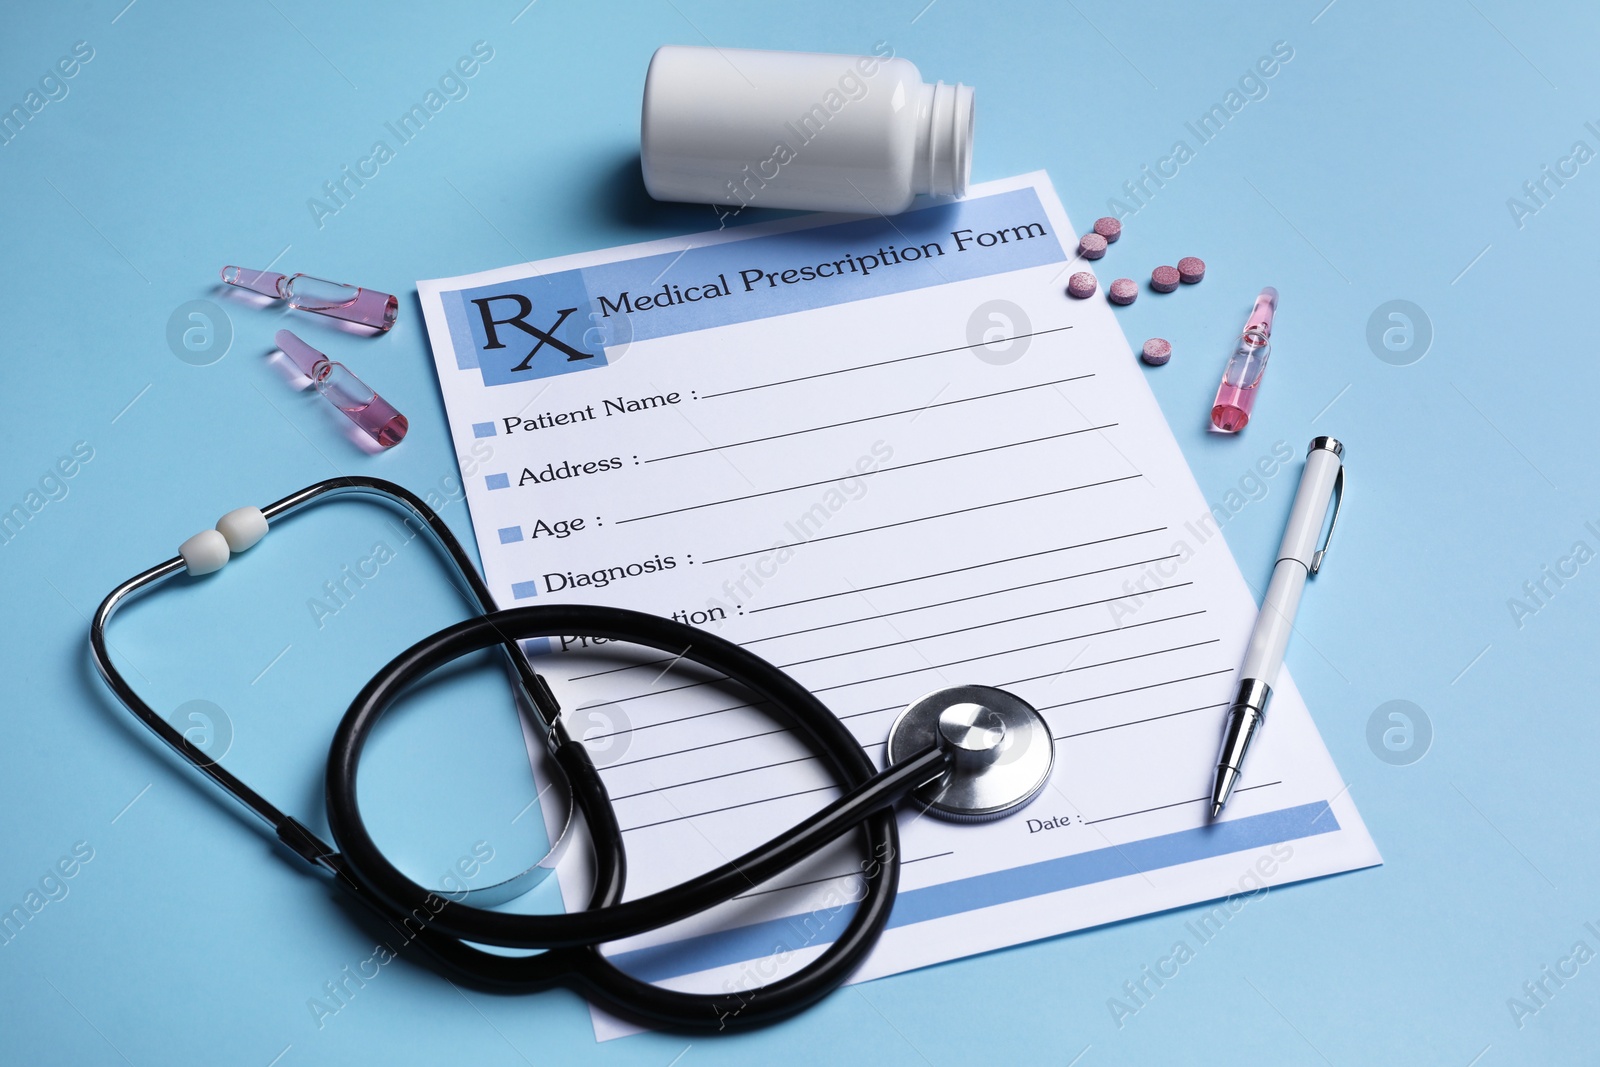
1323, 12
866, 474
1026, 648
1121, 659
281, 1055
711, 778
976, 626
673, 662
1141, 722
667, 722
883, 363
987, 593
1071, 670
130, 804
1008, 651
901, 674
1124, 692
940, 392
964, 629
897, 707
866, 418
925, 518
939, 666
956, 570
697, 748
731, 807
1174, 804
874, 711
121, 13
903, 611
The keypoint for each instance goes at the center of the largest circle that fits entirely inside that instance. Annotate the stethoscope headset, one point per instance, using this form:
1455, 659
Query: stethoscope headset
966, 753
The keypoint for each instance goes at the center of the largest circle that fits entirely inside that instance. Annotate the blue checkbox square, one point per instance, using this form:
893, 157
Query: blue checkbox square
536, 646
483, 429
497, 481
510, 534
524, 590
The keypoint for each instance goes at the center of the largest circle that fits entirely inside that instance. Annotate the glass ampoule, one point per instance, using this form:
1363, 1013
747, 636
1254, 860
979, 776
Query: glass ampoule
1236, 396
367, 307
364, 407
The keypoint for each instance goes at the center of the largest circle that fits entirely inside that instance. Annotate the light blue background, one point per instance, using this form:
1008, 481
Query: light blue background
1377, 168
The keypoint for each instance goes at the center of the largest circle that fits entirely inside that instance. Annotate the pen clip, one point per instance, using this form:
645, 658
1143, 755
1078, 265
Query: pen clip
1338, 502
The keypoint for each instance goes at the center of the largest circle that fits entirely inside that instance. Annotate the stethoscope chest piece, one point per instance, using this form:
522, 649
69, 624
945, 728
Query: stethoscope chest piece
1003, 750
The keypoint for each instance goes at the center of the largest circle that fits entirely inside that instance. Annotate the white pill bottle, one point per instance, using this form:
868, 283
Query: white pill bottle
749, 128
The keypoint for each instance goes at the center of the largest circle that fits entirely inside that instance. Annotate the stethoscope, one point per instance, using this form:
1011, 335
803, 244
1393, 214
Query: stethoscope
965, 753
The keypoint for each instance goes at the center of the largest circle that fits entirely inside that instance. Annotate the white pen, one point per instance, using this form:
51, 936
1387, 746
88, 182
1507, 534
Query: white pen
1298, 559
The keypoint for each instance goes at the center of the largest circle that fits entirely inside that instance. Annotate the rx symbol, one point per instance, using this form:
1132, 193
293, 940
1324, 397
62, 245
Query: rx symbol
545, 336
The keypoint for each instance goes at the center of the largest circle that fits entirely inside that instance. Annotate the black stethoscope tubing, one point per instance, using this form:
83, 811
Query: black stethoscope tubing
572, 955
866, 804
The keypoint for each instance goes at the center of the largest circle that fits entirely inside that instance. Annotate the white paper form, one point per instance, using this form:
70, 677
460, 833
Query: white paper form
889, 455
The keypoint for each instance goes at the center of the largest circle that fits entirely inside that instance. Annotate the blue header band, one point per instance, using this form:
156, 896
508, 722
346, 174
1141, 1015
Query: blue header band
549, 324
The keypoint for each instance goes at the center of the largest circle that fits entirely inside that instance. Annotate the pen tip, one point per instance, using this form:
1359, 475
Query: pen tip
1216, 808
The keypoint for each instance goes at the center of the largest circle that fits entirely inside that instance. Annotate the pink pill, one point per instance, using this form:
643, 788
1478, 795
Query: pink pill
1123, 291
1156, 351
1108, 227
1081, 285
1164, 279
1091, 246
1191, 269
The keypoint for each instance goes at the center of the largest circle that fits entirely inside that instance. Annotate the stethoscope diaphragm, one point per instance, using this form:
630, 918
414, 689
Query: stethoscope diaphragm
1003, 749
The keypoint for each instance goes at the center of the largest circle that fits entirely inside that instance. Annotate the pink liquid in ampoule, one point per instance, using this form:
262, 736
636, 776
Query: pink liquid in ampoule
1236, 395
1233, 405
375, 415
351, 303
337, 300
341, 388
